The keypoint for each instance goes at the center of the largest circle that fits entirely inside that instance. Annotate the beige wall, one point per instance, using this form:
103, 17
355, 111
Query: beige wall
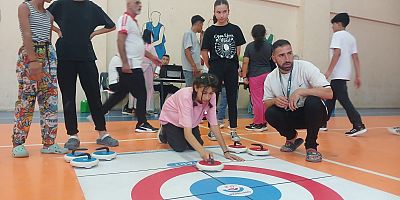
306, 23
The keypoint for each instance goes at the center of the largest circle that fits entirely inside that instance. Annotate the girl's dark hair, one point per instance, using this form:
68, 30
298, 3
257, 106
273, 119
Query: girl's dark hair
221, 2
205, 80
147, 34
258, 32
215, 19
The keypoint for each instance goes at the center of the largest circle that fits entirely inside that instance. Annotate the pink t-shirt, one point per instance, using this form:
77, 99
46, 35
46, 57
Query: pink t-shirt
179, 110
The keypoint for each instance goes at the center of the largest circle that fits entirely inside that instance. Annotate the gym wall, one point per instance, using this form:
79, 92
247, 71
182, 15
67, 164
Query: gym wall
305, 23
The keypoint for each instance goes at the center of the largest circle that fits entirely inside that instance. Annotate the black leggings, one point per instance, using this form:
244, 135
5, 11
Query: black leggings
176, 137
67, 73
130, 83
339, 88
114, 87
227, 72
311, 117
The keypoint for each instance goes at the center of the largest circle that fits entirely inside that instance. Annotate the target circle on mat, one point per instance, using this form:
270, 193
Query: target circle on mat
149, 187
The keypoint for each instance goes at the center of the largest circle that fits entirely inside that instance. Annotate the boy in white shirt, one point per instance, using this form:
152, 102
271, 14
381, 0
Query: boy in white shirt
343, 51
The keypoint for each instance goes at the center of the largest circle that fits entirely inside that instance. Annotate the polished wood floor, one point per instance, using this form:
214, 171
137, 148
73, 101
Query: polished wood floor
372, 159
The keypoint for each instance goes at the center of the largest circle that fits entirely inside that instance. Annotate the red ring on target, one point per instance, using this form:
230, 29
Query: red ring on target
149, 187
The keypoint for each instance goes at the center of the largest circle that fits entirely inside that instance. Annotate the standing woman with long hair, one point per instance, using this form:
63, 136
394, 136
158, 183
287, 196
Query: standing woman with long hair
37, 78
220, 50
147, 67
255, 69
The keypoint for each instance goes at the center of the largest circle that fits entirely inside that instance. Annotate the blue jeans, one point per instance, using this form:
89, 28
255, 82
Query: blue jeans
188, 78
221, 108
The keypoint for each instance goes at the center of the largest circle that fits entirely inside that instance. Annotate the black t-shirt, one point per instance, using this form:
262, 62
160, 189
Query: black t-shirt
258, 60
221, 42
77, 20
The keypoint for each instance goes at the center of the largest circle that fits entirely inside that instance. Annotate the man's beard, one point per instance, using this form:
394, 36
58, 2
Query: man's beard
287, 66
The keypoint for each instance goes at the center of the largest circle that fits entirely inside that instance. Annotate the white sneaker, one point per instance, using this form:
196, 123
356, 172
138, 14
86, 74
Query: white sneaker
395, 130
211, 136
234, 136
221, 124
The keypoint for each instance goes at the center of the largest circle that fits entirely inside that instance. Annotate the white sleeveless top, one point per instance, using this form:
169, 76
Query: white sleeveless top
40, 24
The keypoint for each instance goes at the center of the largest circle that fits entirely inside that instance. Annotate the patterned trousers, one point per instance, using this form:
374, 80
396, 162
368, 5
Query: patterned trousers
44, 90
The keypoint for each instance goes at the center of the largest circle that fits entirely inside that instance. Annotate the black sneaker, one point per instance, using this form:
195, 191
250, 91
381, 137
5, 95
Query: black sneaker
356, 131
146, 128
257, 127
161, 137
127, 111
250, 126
323, 128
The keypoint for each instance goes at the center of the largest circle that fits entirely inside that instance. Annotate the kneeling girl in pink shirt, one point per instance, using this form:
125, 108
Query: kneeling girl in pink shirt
182, 113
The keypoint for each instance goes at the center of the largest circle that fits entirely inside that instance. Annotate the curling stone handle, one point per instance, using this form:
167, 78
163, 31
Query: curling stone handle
210, 159
103, 148
78, 149
237, 143
259, 145
87, 154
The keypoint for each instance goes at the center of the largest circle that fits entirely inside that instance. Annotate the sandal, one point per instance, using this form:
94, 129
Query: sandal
20, 152
54, 149
108, 141
292, 146
313, 156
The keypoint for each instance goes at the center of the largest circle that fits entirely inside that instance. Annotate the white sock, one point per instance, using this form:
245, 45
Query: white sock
104, 136
74, 136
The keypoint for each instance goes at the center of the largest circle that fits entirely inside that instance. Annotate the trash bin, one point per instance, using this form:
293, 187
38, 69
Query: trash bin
85, 106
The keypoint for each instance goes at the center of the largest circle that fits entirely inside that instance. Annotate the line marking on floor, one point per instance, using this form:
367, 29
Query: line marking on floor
326, 160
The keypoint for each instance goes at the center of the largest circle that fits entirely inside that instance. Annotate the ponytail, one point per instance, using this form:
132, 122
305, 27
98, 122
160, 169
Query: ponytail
258, 32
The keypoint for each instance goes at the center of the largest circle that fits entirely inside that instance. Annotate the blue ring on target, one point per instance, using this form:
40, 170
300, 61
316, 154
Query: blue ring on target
227, 188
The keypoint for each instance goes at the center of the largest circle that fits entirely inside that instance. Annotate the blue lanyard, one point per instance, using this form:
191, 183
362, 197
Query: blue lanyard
289, 85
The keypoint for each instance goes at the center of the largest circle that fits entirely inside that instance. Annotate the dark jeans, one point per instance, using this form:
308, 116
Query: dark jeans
227, 72
67, 73
130, 83
339, 88
176, 137
168, 89
309, 117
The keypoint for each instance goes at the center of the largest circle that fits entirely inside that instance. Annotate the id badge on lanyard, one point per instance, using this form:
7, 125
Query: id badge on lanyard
288, 88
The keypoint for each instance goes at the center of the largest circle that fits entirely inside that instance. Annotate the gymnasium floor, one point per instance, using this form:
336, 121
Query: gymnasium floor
364, 167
